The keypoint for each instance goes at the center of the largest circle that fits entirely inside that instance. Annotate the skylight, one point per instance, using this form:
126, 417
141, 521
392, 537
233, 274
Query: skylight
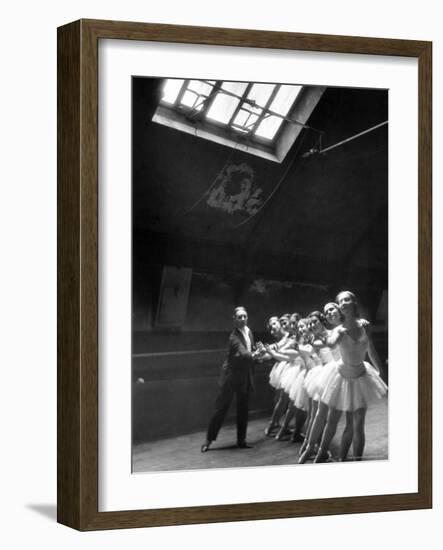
282, 102
258, 118
248, 108
224, 105
171, 90
196, 93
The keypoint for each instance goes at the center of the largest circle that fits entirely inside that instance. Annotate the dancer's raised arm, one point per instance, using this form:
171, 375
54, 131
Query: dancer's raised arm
335, 335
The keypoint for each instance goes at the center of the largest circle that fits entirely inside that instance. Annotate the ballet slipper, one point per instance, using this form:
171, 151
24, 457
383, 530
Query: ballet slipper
322, 456
307, 453
282, 432
268, 430
271, 427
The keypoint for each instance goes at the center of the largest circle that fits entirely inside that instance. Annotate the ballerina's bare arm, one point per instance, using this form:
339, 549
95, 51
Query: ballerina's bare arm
268, 354
285, 355
306, 352
335, 335
265, 349
318, 343
288, 345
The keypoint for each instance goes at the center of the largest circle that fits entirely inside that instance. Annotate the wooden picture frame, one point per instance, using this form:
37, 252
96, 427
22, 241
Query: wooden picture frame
78, 274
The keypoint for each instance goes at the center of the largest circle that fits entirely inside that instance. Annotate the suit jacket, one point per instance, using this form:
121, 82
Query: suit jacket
238, 367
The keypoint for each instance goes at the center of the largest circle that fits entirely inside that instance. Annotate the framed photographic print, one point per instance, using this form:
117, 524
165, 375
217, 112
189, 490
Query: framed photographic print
244, 269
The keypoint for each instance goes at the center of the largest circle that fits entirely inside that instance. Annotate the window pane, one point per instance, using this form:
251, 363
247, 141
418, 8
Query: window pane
224, 105
284, 99
268, 127
282, 103
190, 99
248, 114
260, 93
195, 92
245, 118
171, 89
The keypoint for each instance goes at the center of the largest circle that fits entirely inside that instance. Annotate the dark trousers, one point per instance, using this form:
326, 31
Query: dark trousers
222, 404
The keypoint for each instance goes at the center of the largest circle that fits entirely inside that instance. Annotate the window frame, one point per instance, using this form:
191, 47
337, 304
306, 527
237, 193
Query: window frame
179, 116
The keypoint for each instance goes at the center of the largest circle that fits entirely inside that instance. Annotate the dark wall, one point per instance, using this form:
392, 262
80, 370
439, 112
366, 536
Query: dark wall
177, 394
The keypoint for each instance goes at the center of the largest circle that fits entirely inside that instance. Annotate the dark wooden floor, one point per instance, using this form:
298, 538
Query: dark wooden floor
183, 453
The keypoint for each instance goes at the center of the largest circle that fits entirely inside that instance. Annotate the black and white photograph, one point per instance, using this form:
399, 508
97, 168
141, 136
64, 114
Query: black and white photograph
188, 190
259, 274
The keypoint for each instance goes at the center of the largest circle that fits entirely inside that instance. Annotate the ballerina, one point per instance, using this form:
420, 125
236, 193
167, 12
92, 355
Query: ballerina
285, 321
313, 378
333, 318
296, 389
351, 383
296, 363
281, 402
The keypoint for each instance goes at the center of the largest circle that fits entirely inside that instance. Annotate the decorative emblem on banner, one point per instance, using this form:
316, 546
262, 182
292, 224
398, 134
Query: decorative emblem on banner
236, 191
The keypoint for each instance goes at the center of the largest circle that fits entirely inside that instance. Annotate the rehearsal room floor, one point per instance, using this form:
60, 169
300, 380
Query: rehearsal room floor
183, 452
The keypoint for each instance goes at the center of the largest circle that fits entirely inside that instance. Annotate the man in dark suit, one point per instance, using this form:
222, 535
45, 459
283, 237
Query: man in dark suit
237, 377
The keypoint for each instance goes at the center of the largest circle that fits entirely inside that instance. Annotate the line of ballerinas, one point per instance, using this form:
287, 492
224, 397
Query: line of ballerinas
321, 372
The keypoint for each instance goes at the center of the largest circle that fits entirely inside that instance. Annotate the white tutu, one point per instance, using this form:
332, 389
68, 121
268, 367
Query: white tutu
316, 376
297, 392
348, 388
315, 380
290, 374
326, 355
288, 377
276, 374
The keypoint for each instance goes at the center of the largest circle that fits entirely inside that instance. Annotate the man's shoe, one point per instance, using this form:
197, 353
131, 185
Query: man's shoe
244, 445
205, 447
